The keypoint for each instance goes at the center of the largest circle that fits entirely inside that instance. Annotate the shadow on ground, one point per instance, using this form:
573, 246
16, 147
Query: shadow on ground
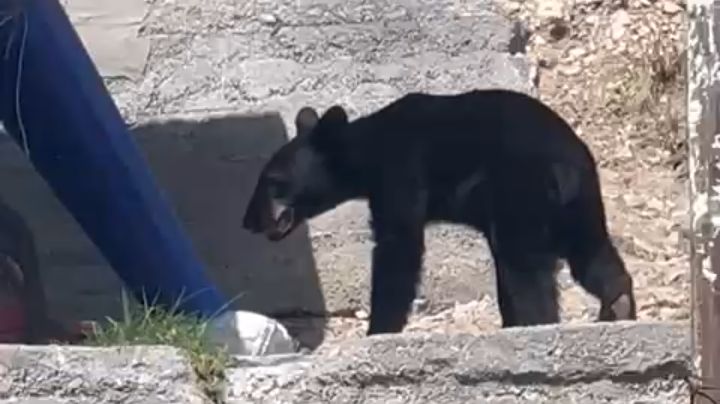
208, 169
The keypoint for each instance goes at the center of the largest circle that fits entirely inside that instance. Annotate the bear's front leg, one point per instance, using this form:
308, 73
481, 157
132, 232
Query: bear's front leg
398, 222
396, 267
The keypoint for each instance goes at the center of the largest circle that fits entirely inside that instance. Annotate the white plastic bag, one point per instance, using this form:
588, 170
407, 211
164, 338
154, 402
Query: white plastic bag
248, 333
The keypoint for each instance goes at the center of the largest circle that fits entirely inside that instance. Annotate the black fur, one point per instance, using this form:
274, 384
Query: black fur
496, 160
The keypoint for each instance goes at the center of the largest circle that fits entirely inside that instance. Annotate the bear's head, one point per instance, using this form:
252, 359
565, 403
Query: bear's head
303, 178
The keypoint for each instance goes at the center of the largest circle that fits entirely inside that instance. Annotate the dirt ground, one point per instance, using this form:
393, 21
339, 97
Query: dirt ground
618, 76
614, 71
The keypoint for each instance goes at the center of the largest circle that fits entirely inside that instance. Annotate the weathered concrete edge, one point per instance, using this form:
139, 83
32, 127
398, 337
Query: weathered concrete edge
200, 71
148, 374
552, 355
260, 16
559, 355
205, 95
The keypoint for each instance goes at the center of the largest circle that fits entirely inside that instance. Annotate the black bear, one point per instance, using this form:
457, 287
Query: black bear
496, 160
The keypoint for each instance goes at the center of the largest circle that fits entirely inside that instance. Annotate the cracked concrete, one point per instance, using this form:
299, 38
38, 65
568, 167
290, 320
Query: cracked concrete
625, 363
57, 374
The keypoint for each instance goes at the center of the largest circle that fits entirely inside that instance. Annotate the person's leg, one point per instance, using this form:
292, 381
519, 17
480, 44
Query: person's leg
55, 105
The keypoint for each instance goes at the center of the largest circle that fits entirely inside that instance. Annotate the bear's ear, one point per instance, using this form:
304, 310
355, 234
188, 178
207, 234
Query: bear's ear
306, 120
334, 118
330, 128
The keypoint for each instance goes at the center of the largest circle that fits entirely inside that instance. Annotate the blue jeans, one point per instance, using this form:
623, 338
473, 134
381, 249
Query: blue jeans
55, 105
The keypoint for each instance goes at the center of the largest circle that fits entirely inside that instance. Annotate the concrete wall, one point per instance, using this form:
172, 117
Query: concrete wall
211, 88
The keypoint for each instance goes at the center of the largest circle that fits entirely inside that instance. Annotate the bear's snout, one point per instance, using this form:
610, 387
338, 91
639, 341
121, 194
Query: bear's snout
270, 216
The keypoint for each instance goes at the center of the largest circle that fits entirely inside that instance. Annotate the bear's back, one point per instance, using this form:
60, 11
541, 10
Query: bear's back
467, 129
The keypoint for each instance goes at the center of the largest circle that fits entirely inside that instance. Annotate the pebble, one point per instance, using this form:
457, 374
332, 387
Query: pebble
670, 7
267, 19
618, 25
571, 70
361, 315
550, 9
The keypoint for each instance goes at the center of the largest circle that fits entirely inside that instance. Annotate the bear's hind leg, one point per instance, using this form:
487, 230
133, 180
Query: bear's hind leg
524, 253
602, 273
594, 261
526, 289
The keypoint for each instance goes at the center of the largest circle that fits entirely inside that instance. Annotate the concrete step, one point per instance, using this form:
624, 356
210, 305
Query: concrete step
364, 64
623, 363
240, 16
59, 374
626, 363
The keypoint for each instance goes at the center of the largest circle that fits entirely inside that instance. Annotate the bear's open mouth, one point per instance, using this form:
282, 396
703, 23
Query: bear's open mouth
283, 218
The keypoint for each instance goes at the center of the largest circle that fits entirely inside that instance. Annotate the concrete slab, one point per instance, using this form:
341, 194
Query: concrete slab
624, 363
56, 374
109, 29
599, 363
240, 16
361, 66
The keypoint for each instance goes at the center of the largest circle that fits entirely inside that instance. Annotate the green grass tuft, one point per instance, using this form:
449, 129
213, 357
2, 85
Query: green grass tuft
149, 325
